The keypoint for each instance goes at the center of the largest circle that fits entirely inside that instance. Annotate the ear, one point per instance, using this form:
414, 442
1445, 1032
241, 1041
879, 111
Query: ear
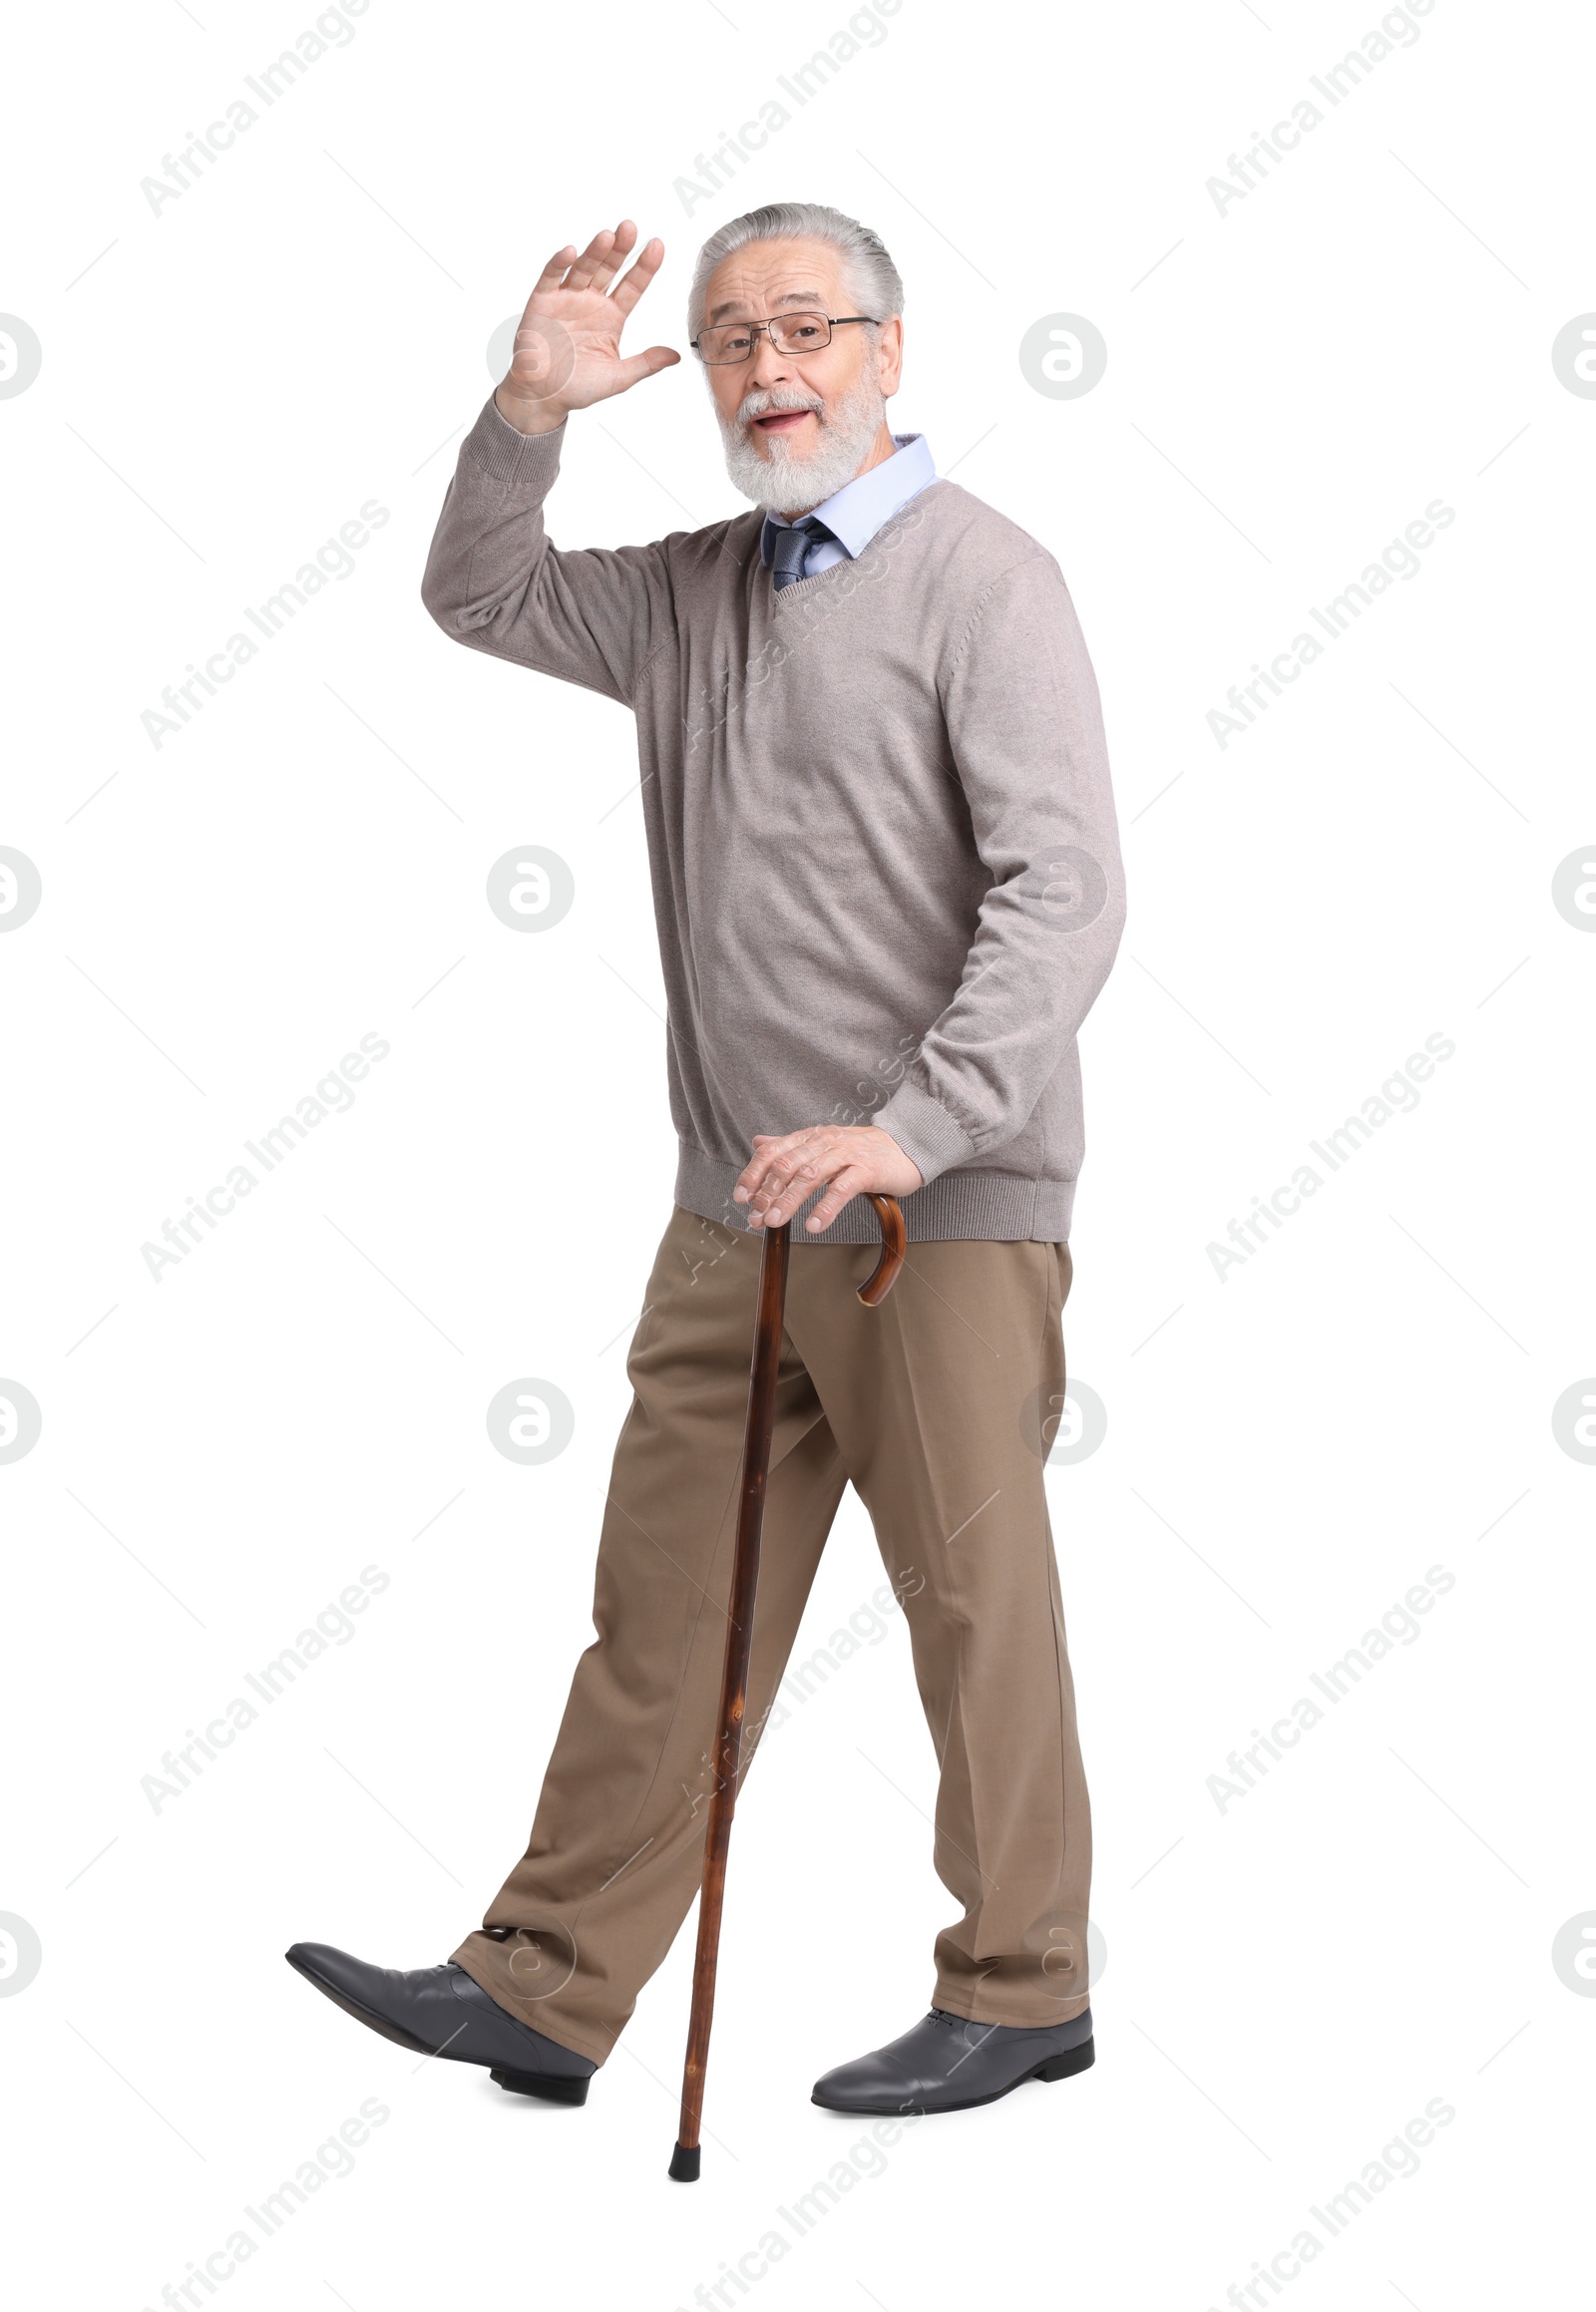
889, 355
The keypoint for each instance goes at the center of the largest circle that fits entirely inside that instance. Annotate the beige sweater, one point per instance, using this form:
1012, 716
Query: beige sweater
885, 860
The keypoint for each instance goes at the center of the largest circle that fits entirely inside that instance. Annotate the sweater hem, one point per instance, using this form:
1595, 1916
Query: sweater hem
1001, 1207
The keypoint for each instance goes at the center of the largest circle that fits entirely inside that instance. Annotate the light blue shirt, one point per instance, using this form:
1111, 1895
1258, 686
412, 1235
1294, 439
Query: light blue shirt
862, 506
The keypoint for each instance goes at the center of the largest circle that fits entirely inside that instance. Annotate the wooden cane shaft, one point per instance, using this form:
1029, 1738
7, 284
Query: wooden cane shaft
734, 1675
763, 1374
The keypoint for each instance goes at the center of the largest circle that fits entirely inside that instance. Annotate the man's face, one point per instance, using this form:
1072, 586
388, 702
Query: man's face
798, 425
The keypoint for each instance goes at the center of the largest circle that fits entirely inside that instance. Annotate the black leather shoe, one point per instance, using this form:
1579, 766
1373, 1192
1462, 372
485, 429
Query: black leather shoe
441, 2010
947, 2064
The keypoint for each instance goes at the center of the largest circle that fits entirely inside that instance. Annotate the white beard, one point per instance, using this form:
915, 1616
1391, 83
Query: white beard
788, 483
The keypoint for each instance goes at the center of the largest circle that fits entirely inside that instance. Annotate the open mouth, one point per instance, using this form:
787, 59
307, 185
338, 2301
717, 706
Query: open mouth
782, 421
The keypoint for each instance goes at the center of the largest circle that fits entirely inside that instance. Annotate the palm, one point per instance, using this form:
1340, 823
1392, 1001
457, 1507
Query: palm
567, 344
575, 328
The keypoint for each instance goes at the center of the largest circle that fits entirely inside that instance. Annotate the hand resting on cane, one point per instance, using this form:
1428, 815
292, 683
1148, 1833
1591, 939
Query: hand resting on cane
786, 1167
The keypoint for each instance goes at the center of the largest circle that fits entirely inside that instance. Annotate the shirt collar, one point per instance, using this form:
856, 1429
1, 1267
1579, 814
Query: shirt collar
865, 505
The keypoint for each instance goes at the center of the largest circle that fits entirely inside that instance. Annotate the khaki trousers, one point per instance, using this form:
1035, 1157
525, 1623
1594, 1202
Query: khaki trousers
934, 1406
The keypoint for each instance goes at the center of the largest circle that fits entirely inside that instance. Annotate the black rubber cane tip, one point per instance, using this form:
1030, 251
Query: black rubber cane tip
685, 2165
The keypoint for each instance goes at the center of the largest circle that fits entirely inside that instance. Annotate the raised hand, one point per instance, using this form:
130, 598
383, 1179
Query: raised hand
568, 346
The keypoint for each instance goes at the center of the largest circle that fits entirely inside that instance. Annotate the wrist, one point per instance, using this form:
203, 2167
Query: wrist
528, 417
903, 1184
927, 1135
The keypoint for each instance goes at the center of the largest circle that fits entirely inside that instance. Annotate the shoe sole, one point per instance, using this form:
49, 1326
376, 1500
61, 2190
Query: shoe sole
545, 2084
1057, 2067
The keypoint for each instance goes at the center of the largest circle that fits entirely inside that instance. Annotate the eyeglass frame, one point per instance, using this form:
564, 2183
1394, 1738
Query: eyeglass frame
831, 321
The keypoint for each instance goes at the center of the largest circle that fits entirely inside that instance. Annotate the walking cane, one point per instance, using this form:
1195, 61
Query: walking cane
739, 1641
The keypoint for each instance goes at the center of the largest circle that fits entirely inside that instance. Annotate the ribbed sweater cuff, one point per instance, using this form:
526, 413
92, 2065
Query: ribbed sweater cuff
924, 1130
515, 461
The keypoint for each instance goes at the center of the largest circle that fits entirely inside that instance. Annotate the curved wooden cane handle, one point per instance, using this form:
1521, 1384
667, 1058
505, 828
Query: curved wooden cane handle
893, 1246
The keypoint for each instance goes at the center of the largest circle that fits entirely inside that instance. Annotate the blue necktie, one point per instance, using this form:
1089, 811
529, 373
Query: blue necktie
790, 549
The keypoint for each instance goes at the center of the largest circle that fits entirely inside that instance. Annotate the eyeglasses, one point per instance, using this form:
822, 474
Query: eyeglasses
789, 333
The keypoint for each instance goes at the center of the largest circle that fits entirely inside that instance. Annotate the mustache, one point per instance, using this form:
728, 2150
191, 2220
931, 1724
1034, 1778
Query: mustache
762, 400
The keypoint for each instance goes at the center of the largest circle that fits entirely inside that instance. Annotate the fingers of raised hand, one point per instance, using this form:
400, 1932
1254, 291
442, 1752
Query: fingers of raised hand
581, 274
553, 272
628, 290
603, 257
594, 267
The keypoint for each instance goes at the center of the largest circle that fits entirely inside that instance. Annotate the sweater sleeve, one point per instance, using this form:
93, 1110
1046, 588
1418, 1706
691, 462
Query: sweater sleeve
494, 582
1025, 732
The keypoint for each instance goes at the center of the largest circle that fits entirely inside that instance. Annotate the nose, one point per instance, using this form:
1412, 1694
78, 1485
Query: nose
766, 367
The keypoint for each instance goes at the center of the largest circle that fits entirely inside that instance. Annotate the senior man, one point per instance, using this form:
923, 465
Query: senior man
887, 882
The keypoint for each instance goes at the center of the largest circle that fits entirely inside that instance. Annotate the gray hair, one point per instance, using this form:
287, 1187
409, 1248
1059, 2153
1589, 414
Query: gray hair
873, 279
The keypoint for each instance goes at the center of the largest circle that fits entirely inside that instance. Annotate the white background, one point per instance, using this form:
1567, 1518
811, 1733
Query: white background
1289, 1981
